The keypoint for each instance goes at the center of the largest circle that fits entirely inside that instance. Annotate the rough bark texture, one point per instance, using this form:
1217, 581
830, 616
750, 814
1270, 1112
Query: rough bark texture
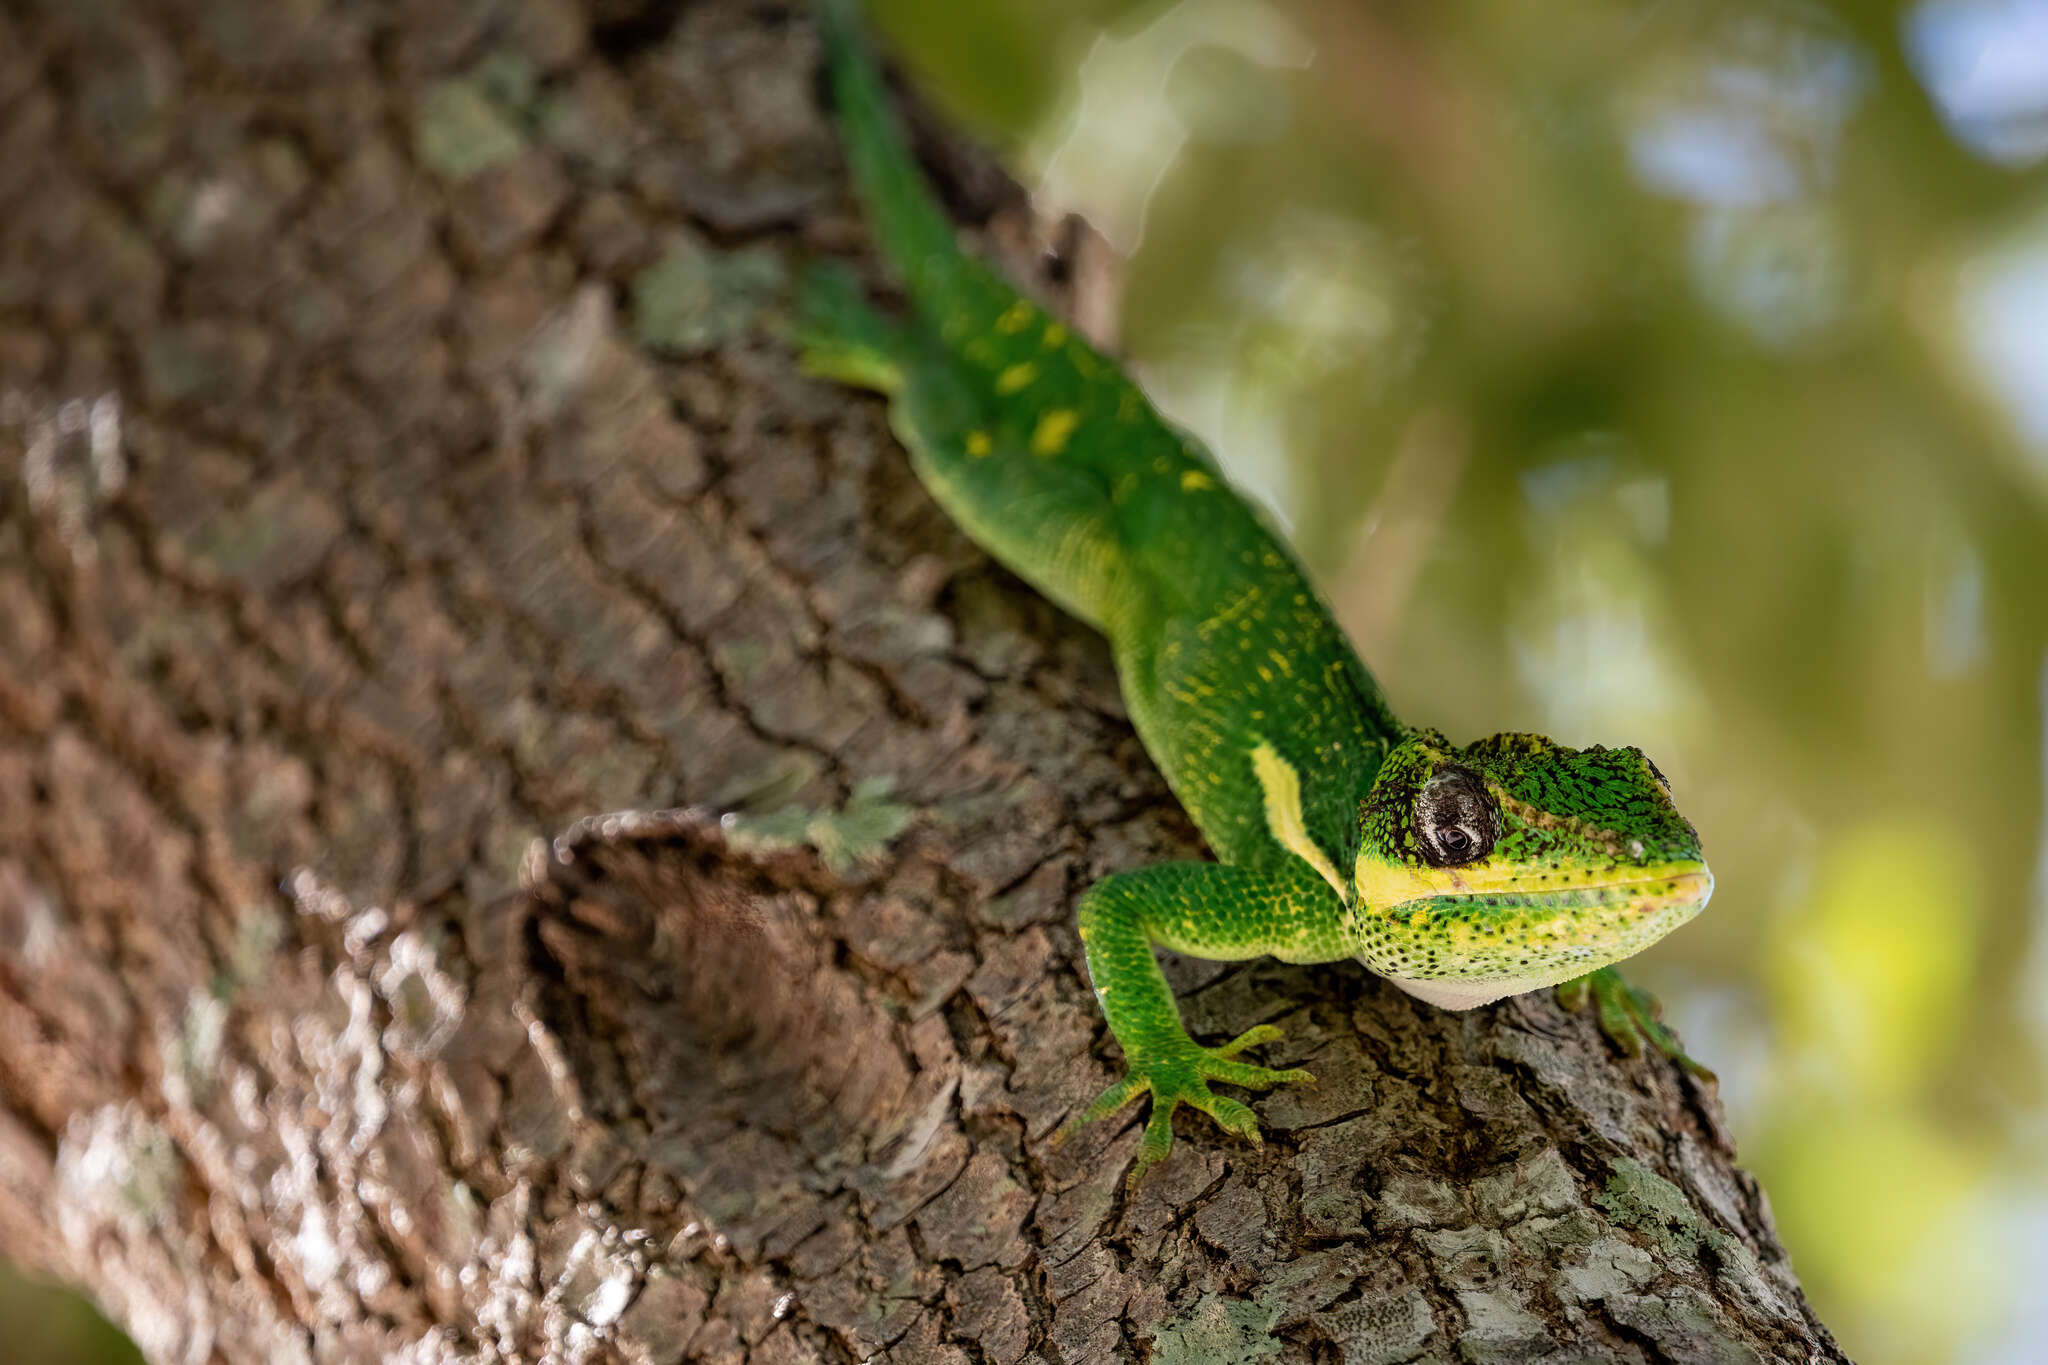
399, 464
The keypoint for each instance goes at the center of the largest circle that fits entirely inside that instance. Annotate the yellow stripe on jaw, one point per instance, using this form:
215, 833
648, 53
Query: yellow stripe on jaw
1282, 786
1397, 889
1391, 888
1053, 431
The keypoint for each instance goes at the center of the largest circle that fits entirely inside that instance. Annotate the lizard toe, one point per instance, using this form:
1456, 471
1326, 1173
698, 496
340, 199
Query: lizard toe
1250, 1038
1230, 1116
1257, 1077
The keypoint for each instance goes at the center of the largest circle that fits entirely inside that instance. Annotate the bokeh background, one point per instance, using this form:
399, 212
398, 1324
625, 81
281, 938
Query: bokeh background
1667, 372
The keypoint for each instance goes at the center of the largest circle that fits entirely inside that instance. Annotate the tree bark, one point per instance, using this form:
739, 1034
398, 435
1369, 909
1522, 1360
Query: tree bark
398, 462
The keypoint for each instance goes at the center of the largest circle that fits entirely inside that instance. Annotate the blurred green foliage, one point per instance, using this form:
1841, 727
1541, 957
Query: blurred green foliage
1668, 374
55, 1327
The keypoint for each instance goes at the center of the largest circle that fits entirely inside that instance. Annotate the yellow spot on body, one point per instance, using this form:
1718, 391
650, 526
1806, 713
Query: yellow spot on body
1016, 377
1281, 659
1053, 430
1195, 480
1055, 333
1282, 786
1015, 319
1418, 919
978, 444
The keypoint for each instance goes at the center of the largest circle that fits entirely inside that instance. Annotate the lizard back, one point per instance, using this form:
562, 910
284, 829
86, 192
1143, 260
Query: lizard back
1239, 681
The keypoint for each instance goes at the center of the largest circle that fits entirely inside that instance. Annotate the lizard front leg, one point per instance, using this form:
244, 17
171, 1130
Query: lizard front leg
1208, 910
1629, 1015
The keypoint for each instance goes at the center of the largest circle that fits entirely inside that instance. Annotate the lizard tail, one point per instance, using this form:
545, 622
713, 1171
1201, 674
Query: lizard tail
914, 233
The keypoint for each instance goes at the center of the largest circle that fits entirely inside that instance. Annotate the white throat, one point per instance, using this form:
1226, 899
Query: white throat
1449, 993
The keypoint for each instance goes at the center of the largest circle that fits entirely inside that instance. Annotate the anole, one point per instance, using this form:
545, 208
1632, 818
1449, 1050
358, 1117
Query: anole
1461, 873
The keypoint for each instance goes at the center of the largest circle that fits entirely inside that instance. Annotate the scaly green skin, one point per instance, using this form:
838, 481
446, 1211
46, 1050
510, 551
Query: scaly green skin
1243, 688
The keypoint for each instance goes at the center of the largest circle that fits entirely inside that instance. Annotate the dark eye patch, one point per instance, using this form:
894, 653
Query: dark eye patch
1456, 820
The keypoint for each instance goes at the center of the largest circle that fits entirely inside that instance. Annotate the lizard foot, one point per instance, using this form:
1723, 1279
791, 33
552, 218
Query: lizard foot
1177, 1074
1629, 1016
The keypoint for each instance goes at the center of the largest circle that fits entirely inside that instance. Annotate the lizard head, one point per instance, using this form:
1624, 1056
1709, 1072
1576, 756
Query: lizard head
1516, 863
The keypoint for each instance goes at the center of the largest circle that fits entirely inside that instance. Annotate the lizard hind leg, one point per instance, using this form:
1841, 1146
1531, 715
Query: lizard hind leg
841, 337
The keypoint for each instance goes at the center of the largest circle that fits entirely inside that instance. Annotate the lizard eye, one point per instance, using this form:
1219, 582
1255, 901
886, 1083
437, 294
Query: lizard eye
1455, 817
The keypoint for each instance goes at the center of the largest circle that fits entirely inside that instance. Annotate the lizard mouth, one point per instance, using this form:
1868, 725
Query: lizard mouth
1684, 884
1464, 946
1645, 890
1680, 890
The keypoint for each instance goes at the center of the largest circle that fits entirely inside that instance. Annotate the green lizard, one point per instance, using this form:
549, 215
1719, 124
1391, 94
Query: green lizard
1461, 874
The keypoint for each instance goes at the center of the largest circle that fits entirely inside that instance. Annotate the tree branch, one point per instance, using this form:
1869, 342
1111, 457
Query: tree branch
399, 463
